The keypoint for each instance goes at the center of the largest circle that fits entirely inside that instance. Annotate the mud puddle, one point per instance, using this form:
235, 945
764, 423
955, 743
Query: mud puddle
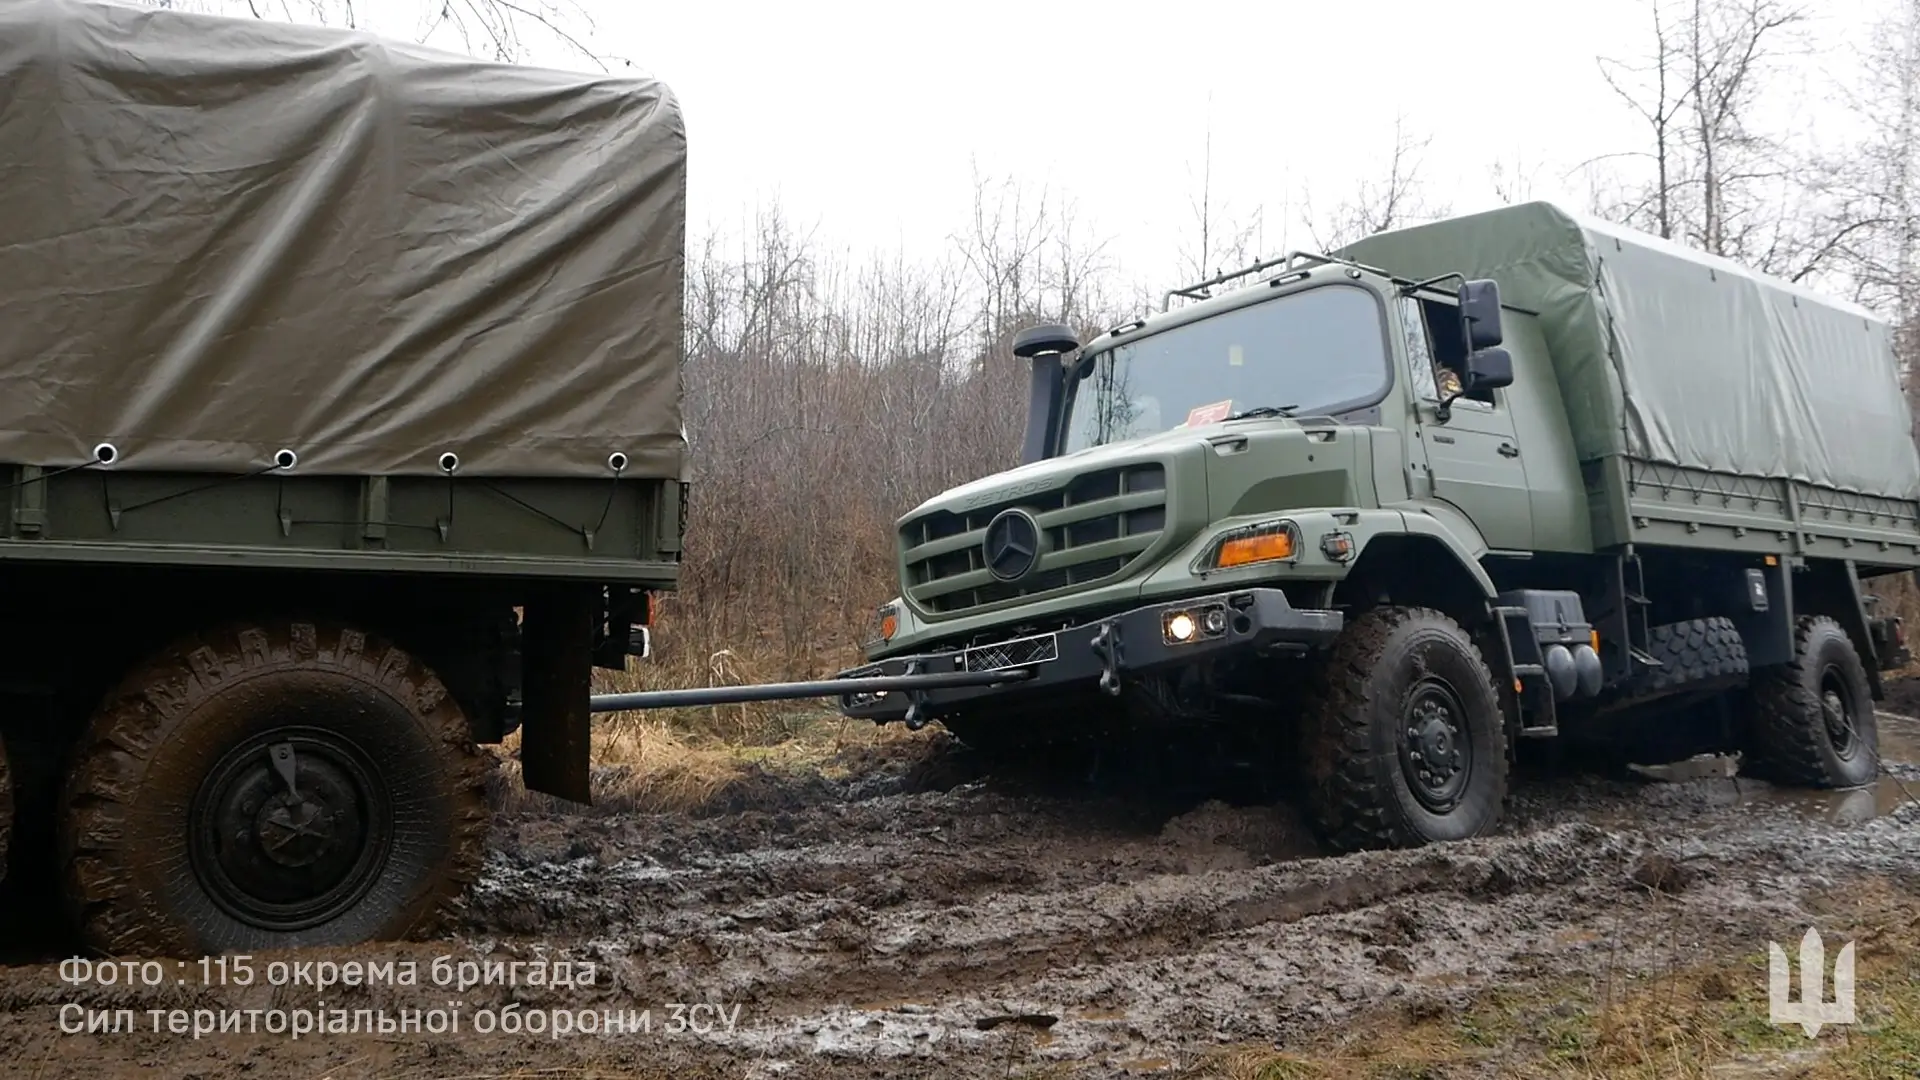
1898, 785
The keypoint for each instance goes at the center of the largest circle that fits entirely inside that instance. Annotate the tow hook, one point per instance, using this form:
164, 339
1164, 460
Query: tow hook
1108, 647
916, 717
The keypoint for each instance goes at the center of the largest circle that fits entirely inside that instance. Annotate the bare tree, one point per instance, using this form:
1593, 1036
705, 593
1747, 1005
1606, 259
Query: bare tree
1394, 199
1512, 182
1873, 183
1717, 181
1656, 94
827, 394
1727, 45
1218, 240
504, 30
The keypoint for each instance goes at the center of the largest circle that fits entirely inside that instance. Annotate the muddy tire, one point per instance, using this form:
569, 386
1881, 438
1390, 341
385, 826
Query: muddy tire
1402, 736
1812, 719
181, 834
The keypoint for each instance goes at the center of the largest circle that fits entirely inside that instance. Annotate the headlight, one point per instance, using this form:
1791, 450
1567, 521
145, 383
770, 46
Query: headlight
1269, 541
1183, 625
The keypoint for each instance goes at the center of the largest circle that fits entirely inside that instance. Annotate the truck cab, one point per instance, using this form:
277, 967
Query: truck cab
1326, 393
1396, 524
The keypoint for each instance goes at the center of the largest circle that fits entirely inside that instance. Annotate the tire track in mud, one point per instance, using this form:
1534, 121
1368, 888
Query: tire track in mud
1035, 889
982, 923
1123, 929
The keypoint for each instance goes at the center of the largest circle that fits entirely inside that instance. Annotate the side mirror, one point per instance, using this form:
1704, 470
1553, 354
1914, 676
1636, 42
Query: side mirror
1480, 314
1488, 369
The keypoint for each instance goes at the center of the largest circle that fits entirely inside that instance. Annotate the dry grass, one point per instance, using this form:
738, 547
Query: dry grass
1704, 1020
685, 657
649, 765
697, 760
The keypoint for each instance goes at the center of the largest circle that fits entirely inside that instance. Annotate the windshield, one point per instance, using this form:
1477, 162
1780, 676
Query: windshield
1316, 351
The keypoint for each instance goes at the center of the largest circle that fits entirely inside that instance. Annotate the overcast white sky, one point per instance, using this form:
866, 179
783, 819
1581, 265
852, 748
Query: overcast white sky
867, 120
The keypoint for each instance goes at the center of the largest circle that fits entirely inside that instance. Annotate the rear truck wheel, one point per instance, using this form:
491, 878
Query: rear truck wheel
1402, 735
268, 786
1812, 720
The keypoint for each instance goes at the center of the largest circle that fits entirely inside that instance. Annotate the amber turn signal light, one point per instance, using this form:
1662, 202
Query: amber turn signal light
1252, 549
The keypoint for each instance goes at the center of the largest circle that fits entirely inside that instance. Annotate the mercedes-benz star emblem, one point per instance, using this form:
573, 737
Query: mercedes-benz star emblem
1012, 544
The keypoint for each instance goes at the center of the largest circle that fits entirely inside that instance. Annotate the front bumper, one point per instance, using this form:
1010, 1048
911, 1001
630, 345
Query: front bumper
1098, 653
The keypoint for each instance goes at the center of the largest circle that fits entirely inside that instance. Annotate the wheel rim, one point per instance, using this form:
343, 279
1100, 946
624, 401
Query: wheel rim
1436, 751
283, 856
1837, 712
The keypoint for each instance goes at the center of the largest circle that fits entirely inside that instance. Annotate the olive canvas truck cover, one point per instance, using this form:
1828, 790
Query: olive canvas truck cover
1669, 355
220, 237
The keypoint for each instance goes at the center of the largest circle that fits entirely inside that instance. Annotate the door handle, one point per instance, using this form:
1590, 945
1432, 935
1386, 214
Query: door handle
1507, 449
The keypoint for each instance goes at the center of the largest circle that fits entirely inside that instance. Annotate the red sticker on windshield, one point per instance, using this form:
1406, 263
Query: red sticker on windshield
1210, 414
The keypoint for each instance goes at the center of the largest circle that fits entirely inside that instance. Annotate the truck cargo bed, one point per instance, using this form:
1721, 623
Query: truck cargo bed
609, 530
221, 238
1641, 502
1710, 406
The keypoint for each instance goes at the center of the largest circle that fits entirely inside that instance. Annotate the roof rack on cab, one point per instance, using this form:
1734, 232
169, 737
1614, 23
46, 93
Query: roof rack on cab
1198, 290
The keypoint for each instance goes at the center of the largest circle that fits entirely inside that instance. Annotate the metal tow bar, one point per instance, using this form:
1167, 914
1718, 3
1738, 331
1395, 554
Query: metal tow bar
793, 691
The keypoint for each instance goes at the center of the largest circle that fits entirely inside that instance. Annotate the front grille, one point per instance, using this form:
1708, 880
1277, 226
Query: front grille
1094, 526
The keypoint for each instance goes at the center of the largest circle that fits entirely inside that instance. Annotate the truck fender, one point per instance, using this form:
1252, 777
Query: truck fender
1458, 532
1429, 561
1417, 559
1445, 529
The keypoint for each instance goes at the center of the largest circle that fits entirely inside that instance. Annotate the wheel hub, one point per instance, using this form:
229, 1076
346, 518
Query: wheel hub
290, 829
1436, 754
296, 833
1836, 710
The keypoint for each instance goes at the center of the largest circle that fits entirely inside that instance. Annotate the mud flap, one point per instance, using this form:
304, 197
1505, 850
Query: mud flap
556, 681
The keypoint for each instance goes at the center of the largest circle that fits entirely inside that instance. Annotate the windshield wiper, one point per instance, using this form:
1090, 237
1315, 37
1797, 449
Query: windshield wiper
1264, 410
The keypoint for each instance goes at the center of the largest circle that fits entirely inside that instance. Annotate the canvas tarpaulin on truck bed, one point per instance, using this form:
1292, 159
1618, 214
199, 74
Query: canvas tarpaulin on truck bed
221, 236
1670, 355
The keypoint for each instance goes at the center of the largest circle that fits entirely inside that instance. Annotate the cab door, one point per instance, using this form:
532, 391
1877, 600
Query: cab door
1474, 459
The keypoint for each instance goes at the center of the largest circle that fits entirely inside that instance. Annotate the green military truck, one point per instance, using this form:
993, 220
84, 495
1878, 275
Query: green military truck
340, 434
1515, 475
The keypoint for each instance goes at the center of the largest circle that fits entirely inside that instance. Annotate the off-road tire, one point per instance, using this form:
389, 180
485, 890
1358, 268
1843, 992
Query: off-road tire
1789, 739
137, 829
1354, 725
1696, 655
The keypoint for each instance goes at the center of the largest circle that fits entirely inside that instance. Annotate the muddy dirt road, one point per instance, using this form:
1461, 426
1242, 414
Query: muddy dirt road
922, 919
